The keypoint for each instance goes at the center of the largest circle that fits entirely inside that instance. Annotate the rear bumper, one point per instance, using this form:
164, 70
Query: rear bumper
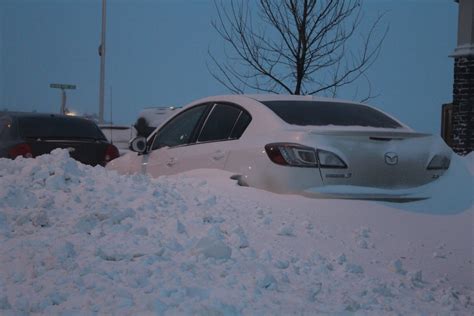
366, 193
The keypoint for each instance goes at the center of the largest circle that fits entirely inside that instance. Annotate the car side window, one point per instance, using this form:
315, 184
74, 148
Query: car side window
179, 131
242, 122
220, 123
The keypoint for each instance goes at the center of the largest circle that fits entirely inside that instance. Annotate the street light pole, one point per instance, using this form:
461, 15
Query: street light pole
63, 102
102, 66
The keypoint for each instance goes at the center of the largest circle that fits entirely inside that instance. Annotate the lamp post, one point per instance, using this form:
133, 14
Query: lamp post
102, 65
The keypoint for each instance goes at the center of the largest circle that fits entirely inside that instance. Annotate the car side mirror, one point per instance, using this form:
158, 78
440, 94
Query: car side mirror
138, 144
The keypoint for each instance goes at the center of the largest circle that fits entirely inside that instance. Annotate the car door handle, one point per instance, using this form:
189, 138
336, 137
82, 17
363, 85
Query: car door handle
171, 162
218, 155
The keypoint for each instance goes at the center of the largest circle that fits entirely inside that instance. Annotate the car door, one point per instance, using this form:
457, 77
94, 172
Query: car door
169, 141
200, 137
215, 139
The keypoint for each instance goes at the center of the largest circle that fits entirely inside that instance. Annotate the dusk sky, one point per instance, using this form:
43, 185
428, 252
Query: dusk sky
157, 52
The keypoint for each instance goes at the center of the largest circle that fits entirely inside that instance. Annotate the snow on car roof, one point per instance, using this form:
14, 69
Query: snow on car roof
289, 97
275, 97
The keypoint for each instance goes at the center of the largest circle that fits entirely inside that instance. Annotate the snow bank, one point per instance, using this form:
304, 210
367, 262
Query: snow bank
76, 238
469, 161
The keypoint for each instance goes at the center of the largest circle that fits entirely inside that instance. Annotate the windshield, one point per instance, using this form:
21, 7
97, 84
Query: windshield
322, 113
59, 127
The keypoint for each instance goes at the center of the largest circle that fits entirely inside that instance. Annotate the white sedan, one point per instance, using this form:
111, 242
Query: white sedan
293, 144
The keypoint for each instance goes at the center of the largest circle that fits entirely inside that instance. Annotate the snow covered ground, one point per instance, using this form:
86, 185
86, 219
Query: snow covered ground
80, 239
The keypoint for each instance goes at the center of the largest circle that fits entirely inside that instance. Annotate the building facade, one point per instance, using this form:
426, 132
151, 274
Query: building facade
460, 114
2, 71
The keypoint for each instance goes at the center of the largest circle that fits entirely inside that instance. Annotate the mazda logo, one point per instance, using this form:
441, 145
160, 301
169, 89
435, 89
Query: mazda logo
391, 159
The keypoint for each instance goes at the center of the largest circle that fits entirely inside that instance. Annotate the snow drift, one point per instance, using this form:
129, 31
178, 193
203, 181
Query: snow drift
80, 239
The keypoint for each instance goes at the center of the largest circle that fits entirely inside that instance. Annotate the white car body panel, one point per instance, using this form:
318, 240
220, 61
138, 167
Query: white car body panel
166, 160
367, 152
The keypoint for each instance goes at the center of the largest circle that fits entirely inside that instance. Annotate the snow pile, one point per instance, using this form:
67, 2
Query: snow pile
470, 162
76, 238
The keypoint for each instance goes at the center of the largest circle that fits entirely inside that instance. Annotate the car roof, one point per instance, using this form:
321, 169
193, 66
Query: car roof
15, 114
289, 97
254, 102
272, 97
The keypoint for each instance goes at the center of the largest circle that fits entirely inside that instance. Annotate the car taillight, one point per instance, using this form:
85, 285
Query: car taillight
328, 159
288, 154
20, 150
110, 153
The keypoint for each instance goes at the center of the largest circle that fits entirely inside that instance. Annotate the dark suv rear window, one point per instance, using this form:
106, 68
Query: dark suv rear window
59, 128
319, 113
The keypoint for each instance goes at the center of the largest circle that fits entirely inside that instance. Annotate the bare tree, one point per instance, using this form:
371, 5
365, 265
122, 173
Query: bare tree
294, 46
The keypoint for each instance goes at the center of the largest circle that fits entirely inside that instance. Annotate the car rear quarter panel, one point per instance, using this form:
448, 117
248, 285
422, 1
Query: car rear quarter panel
249, 160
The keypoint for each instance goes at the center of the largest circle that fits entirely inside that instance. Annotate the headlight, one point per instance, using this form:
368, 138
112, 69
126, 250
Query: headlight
439, 162
296, 155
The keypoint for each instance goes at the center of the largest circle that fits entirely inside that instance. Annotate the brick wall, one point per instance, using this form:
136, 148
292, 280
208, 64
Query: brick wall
463, 105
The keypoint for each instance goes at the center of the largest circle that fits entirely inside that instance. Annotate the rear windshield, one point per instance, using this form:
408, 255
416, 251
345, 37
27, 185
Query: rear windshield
319, 113
59, 128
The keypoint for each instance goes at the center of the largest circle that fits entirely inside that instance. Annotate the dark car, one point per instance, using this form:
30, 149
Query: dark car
34, 134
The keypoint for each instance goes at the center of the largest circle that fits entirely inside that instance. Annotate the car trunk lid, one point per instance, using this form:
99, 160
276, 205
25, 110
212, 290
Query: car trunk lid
89, 152
376, 158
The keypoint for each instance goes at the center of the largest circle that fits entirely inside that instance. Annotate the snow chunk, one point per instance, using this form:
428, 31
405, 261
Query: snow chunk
4, 303
213, 248
266, 280
354, 268
180, 228
241, 238
282, 264
4, 227
397, 267
40, 219
287, 230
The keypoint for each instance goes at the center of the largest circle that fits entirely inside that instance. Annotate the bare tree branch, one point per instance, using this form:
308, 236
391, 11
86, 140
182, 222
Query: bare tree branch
294, 46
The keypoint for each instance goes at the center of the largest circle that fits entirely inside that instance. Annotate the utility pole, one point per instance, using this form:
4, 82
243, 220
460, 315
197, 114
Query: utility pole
63, 102
102, 66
